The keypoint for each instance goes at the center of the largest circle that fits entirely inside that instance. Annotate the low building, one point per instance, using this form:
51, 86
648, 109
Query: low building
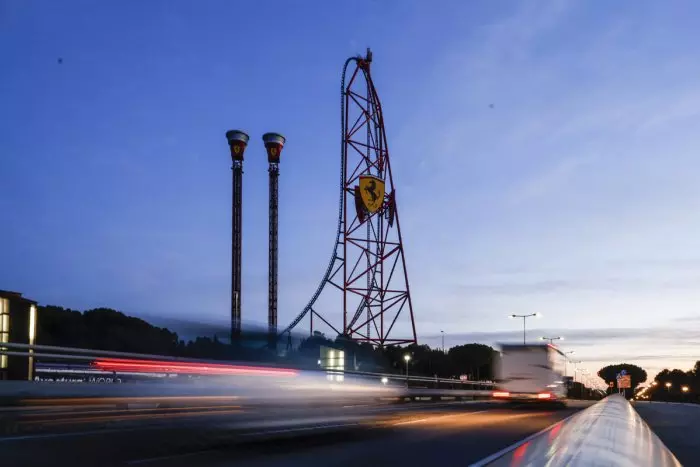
18, 321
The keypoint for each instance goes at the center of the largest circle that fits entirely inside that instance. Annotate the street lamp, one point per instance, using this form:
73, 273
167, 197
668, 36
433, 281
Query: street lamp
524, 317
668, 386
566, 361
575, 362
685, 388
443, 340
552, 339
407, 358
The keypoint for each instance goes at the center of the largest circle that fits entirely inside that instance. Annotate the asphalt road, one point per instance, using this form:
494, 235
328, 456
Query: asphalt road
677, 425
407, 435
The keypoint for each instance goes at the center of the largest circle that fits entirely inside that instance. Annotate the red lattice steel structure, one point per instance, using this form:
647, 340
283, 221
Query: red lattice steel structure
368, 262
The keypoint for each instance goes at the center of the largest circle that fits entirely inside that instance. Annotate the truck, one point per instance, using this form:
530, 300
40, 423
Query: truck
531, 373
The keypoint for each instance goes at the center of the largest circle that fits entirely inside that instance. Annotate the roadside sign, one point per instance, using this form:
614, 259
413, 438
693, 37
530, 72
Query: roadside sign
612, 384
624, 382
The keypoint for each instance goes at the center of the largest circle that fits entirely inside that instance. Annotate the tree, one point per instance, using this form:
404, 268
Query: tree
475, 360
610, 372
677, 378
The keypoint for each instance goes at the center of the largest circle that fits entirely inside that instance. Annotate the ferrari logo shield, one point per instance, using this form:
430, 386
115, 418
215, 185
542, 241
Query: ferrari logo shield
273, 151
372, 192
237, 149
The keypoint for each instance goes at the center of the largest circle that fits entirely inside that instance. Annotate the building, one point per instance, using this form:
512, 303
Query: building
18, 321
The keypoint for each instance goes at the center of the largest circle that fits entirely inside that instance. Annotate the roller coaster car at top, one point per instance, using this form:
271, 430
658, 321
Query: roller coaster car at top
368, 263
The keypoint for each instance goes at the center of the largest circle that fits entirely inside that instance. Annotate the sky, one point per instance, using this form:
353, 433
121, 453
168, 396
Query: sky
562, 137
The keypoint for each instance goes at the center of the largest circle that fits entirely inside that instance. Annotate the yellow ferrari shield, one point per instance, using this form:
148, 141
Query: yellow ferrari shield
372, 192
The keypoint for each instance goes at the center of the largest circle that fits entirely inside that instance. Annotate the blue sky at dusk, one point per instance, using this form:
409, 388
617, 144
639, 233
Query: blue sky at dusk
545, 155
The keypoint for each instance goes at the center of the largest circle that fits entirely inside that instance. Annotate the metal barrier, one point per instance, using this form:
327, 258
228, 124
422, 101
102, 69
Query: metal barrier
88, 355
607, 433
195, 378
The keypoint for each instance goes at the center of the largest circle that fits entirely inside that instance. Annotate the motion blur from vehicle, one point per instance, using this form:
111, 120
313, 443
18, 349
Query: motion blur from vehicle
531, 373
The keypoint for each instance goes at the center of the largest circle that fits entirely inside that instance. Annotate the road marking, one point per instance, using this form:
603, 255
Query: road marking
484, 462
292, 430
438, 417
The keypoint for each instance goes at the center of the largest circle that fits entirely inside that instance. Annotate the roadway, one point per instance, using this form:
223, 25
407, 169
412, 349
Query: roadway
677, 425
379, 434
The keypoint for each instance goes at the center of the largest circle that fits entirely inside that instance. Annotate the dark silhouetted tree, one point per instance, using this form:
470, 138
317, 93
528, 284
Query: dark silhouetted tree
610, 372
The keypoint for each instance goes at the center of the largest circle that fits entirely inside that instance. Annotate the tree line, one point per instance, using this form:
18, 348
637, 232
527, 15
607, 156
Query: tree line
109, 329
667, 385
676, 385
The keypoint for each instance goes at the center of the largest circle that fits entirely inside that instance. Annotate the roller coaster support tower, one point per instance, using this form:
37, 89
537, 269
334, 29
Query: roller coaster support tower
368, 263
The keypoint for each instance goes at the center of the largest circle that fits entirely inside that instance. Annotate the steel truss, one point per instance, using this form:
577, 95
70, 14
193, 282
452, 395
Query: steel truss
368, 263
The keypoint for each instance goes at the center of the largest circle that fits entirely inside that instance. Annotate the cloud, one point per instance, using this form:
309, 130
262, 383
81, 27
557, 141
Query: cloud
681, 336
553, 286
690, 319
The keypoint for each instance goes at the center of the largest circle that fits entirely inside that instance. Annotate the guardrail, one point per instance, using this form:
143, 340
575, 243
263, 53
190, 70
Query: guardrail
88, 355
402, 386
609, 432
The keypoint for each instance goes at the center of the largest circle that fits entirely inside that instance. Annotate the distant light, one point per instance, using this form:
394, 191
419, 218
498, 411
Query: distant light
32, 324
538, 315
407, 357
685, 388
319, 361
385, 380
501, 394
668, 384
544, 395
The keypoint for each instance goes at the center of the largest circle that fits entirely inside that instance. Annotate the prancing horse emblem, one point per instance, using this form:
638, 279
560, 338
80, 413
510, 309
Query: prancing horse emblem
372, 192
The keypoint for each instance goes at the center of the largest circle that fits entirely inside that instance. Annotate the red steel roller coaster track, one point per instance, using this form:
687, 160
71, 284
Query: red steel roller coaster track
368, 262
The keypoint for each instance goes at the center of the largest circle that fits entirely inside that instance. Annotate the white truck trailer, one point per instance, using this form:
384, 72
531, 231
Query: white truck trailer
531, 373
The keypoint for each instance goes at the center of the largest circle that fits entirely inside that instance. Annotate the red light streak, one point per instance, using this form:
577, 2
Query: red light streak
519, 454
554, 431
157, 366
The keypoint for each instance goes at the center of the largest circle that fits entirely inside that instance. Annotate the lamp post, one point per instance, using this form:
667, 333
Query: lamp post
443, 341
575, 362
566, 361
525, 317
407, 358
552, 339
